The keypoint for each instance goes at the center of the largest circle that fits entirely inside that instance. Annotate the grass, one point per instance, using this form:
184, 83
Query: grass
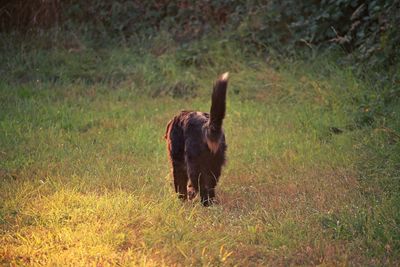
85, 178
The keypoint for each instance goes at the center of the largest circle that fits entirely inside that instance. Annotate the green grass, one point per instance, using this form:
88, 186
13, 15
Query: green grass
85, 177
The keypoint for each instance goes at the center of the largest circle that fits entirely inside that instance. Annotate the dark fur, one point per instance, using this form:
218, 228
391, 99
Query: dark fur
196, 147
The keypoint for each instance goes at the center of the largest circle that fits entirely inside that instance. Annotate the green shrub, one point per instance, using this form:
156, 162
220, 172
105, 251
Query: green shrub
368, 28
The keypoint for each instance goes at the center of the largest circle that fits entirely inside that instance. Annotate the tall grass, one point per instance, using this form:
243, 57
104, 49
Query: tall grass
85, 177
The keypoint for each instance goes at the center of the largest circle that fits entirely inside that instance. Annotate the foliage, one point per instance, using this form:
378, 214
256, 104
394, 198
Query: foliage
368, 28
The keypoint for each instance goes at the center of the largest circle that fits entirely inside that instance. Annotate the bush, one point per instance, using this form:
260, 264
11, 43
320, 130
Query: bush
367, 30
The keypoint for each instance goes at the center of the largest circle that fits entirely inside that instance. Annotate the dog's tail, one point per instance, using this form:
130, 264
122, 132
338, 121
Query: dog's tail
217, 113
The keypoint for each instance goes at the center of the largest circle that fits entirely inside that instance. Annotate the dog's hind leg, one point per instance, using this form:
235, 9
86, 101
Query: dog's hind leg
175, 145
207, 189
194, 174
200, 181
180, 179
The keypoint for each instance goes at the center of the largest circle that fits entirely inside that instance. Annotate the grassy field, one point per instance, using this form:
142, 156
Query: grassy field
310, 178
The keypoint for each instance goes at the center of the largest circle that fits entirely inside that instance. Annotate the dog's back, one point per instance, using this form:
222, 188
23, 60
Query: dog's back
196, 147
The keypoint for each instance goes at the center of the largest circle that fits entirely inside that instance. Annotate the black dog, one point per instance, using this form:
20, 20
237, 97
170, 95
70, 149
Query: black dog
196, 147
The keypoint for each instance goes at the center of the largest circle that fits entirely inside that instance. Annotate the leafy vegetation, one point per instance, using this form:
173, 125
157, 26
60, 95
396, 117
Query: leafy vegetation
367, 30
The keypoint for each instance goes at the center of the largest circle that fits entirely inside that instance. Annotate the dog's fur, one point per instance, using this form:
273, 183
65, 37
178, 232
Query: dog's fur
196, 147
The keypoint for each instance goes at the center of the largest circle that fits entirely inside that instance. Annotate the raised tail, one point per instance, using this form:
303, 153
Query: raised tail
217, 113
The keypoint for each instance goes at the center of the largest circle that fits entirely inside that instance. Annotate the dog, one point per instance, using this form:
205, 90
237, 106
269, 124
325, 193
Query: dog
196, 147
